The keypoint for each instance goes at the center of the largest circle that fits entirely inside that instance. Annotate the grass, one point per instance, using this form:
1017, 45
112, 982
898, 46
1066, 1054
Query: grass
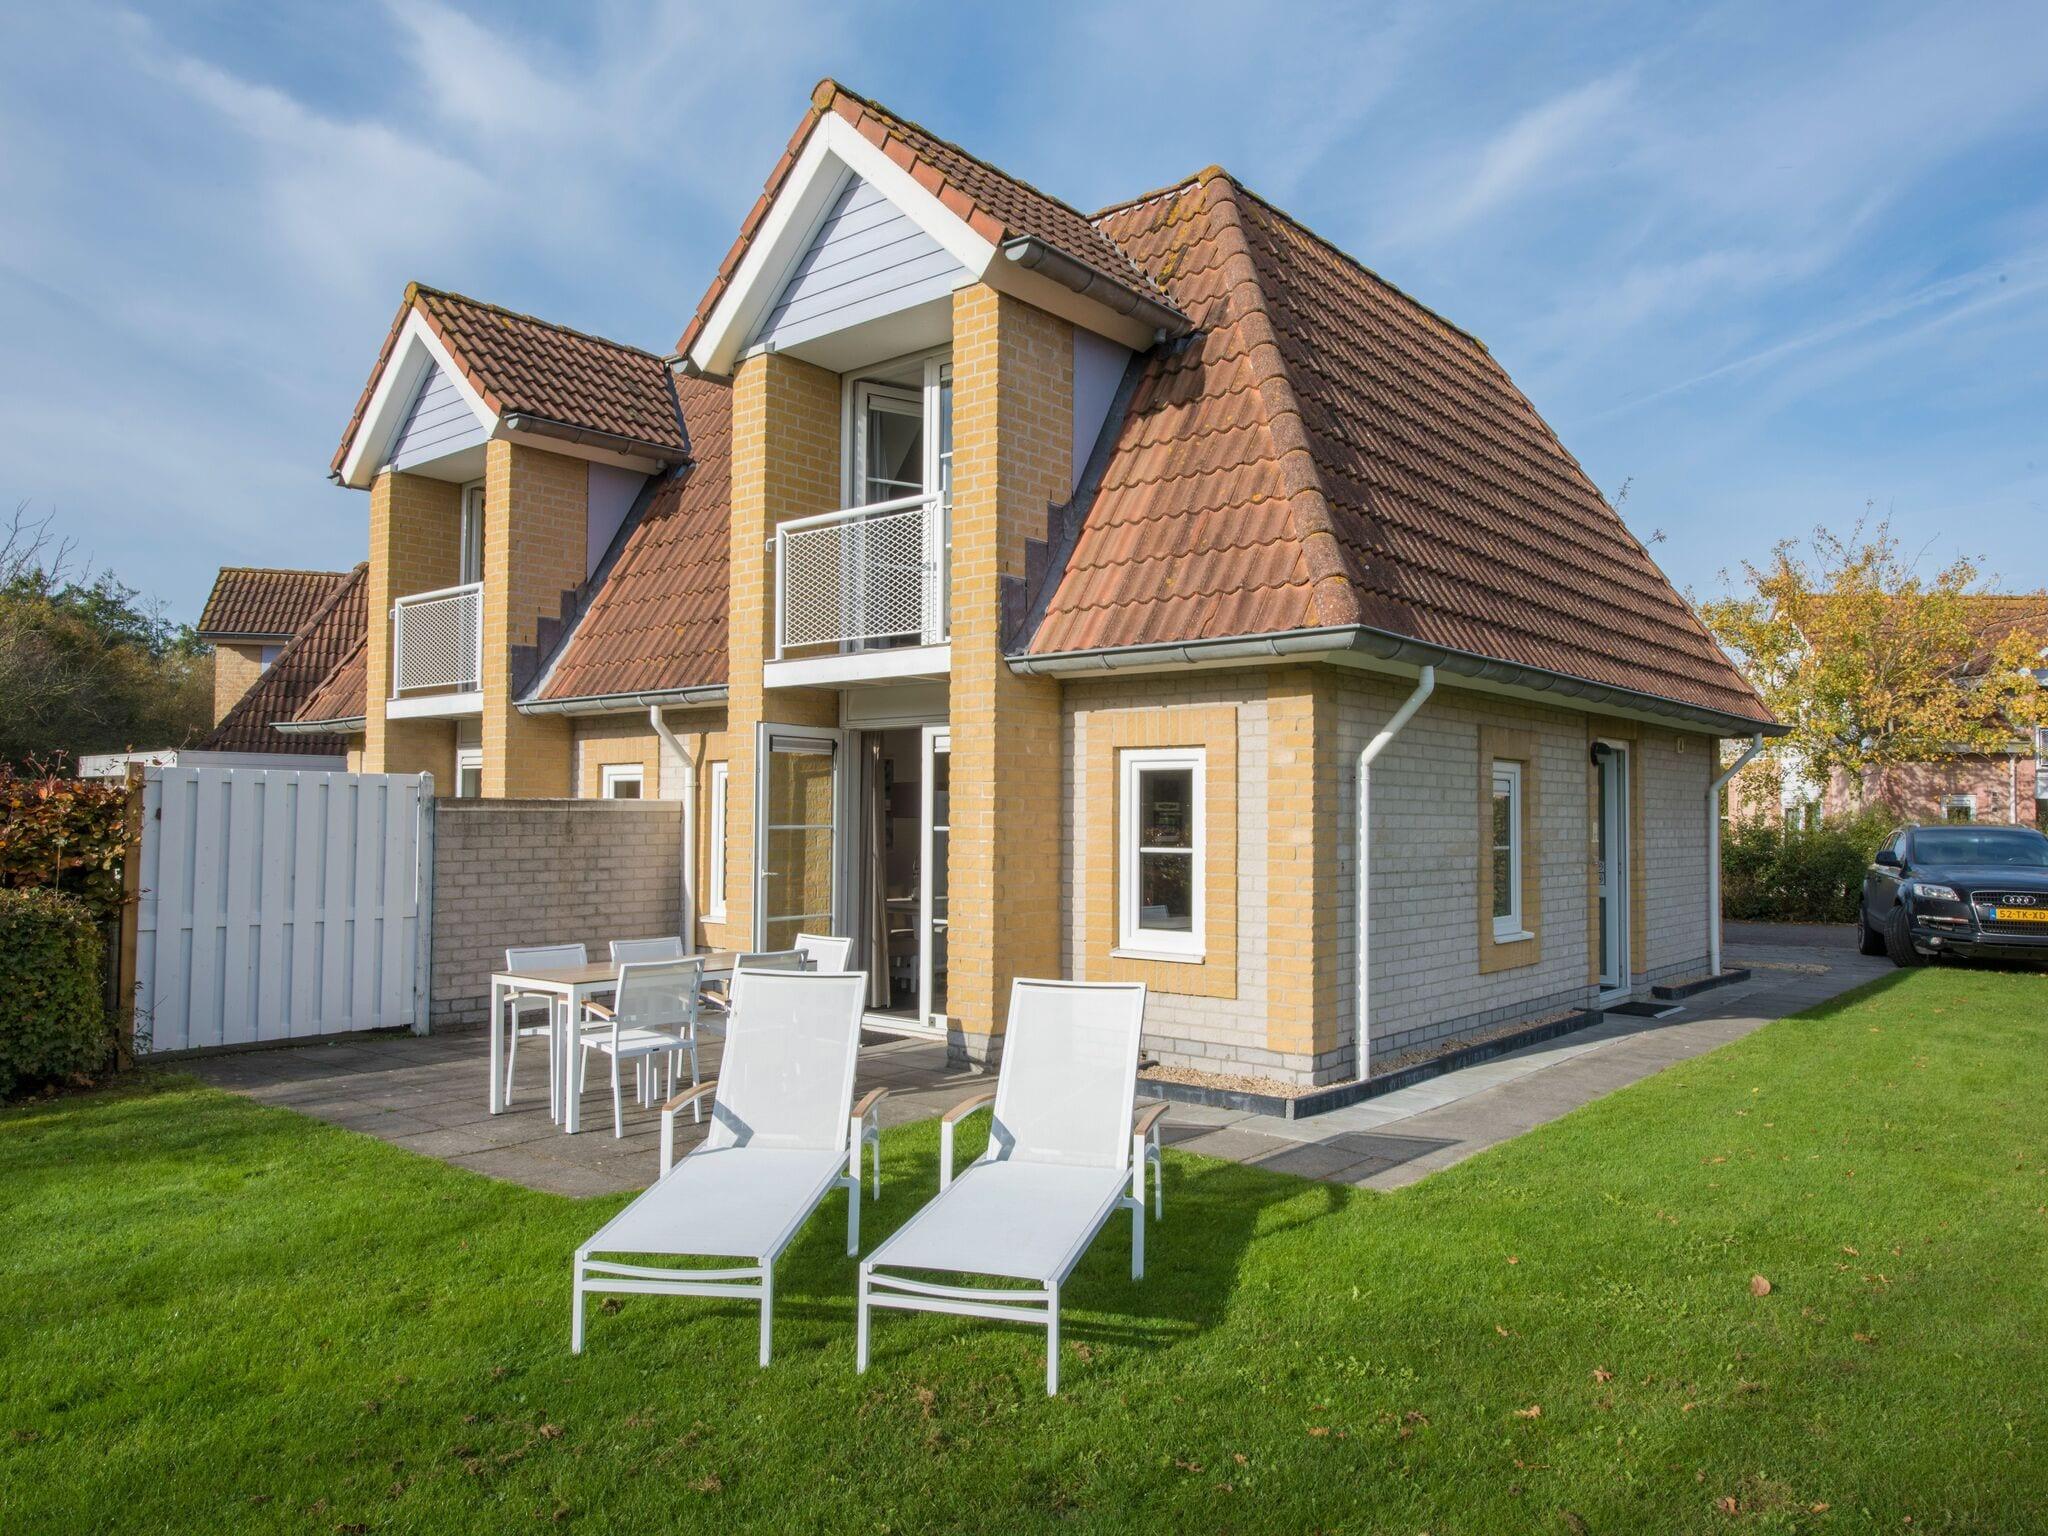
220, 1316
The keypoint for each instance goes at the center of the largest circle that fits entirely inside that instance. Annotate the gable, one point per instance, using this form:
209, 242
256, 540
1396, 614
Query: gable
439, 422
866, 259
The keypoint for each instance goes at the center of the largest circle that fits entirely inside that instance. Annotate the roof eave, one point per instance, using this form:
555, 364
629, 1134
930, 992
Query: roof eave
624, 703
347, 725
1364, 642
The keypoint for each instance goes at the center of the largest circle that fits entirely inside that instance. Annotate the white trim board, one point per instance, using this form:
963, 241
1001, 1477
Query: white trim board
398, 382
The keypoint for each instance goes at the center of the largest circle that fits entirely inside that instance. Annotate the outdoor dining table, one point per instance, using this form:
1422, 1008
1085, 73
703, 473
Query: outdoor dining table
572, 985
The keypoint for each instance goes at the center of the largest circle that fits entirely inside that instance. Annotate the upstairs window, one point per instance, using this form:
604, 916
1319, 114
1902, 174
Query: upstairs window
1159, 864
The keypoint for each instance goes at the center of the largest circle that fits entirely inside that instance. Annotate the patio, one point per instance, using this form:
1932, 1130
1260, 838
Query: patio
428, 1093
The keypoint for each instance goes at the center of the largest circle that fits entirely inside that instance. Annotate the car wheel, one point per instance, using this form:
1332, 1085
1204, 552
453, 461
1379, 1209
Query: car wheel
1868, 940
1898, 940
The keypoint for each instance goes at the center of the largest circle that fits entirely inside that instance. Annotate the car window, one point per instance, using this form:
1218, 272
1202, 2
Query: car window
1998, 847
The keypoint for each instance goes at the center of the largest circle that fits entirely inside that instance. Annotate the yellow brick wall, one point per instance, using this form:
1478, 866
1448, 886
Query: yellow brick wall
536, 512
1012, 457
415, 539
606, 740
785, 464
235, 670
1302, 938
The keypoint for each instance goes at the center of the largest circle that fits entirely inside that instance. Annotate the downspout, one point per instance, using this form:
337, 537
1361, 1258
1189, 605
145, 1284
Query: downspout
670, 740
1756, 745
1361, 1035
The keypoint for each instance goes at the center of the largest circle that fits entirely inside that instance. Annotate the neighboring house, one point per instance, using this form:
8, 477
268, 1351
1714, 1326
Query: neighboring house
2009, 784
1020, 590
251, 616
2004, 785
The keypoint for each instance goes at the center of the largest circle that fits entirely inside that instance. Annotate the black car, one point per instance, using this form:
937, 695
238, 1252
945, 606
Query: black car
1956, 889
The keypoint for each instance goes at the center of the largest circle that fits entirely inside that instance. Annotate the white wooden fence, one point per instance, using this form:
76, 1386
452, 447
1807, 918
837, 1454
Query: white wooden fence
277, 904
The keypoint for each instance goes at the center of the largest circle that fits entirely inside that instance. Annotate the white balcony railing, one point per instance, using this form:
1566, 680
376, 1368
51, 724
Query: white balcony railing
867, 578
437, 640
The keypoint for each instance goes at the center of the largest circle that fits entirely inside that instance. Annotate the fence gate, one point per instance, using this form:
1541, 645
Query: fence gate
277, 904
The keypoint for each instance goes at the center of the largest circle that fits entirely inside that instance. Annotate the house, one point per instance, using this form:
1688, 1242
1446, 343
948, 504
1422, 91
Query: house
251, 616
2007, 785
1154, 593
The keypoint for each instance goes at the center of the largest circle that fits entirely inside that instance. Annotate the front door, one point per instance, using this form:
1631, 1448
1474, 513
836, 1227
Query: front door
1611, 851
798, 866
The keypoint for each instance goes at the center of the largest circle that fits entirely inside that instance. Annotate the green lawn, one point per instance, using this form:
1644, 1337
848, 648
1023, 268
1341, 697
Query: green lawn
220, 1316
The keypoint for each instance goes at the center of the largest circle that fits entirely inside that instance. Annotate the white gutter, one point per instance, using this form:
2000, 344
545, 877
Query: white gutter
670, 740
1361, 1034
1756, 745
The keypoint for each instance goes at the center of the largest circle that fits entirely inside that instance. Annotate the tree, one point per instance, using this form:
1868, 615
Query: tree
84, 665
1873, 665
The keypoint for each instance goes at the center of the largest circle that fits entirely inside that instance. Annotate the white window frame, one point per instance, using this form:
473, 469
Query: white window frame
1153, 943
1508, 928
714, 909
467, 758
611, 775
1967, 803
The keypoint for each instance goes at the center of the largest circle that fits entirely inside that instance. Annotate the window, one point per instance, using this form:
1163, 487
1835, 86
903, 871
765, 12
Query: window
470, 555
1507, 852
1159, 865
1958, 807
714, 909
270, 654
620, 781
469, 773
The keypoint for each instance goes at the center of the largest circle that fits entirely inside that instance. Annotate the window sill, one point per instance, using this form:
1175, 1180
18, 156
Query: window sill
1170, 956
1521, 936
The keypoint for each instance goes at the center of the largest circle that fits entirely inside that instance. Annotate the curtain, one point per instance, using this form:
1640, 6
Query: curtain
873, 917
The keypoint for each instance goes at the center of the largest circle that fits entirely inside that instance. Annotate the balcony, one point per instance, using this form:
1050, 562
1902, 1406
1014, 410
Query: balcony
861, 594
437, 652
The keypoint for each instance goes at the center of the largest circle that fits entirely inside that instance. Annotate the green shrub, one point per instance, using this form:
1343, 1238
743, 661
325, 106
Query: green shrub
1772, 873
53, 1018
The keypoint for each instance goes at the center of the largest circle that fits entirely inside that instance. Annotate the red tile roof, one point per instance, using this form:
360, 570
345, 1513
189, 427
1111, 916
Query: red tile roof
658, 619
253, 602
518, 364
343, 694
1326, 451
995, 205
299, 672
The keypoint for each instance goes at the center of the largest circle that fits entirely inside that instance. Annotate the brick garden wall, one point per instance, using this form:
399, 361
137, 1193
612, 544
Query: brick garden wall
544, 871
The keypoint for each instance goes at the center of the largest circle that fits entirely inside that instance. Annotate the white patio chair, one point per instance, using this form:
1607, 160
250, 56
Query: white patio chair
653, 1014
537, 957
824, 951
636, 950
717, 995
1063, 1156
785, 1133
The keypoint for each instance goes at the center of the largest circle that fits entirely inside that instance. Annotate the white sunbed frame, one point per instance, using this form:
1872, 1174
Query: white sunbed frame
1037, 1306
859, 1127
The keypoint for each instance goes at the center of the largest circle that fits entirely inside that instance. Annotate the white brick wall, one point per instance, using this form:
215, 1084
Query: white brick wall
1426, 982
1676, 770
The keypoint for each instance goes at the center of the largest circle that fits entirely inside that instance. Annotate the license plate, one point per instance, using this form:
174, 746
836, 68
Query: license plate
2019, 914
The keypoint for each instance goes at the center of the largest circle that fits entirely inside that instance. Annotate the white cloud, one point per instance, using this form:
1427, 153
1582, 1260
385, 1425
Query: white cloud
1532, 155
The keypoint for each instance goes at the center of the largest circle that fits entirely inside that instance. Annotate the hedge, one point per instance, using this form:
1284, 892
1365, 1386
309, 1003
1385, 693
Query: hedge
1772, 873
64, 834
53, 1017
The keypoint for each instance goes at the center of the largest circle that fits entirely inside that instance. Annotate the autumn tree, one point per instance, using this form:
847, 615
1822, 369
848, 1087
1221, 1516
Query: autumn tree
1873, 664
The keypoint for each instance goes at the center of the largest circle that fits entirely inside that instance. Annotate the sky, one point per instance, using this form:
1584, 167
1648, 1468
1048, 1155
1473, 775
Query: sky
1762, 266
